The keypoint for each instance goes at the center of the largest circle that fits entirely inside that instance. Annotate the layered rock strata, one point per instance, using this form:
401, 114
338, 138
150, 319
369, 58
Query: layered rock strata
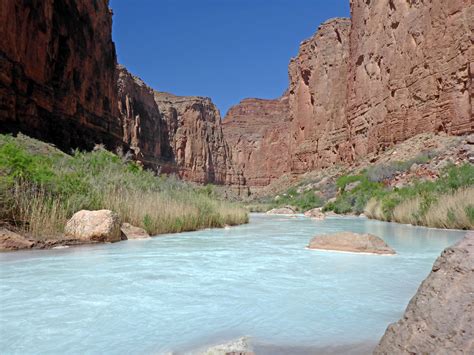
394, 70
196, 140
439, 318
57, 72
257, 132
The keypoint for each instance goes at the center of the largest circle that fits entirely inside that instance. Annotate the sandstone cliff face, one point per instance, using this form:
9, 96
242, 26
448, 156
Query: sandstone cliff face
318, 82
439, 318
57, 72
257, 132
394, 70
196, 139
410, 70
143, 126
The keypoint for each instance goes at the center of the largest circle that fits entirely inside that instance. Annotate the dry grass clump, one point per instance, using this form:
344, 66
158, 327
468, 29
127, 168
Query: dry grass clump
408, 211
40, 192
452, 210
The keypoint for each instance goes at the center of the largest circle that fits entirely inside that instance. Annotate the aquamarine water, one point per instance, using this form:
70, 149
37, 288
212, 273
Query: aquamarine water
181, 292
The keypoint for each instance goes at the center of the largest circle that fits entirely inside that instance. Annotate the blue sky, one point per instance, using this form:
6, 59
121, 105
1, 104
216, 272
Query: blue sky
225, 49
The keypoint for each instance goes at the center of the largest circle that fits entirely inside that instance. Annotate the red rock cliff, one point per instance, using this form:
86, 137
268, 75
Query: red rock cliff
195, 136
319, 129
396, 69
57, 72
410, 70
144, 128
256, 130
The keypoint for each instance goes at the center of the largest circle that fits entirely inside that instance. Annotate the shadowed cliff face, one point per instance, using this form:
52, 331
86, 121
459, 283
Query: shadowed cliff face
57, 72
394, 70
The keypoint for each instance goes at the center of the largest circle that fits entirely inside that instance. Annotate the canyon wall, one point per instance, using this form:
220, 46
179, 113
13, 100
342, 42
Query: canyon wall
57, 72
410, 70
257, 132
397, 68
319, 130
196, 140
59, 82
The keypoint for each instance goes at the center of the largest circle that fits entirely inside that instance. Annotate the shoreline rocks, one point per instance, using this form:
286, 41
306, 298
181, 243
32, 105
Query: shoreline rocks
315, 213
10, 241
281, 211
351, 242
131, 232
440, 317
239, 346
94, 226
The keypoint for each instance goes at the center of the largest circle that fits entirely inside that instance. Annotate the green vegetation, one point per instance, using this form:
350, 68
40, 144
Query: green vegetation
302, 201
447, 202
41, 187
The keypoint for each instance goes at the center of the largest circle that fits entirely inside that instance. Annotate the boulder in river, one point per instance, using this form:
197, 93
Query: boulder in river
282, 210
10, 241
236, 347
351, 242
132, 232
94, 226
440, 318
315, 213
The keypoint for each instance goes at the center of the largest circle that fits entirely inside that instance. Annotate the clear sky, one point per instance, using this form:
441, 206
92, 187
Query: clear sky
225, 49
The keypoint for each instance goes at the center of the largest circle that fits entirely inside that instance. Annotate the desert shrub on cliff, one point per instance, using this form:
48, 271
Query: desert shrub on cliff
41, 187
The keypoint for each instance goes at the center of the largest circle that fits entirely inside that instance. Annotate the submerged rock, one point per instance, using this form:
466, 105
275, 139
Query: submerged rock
315, 213
10, 241
239, 346
94, 226
283, 210
351, 242
440, 318
132, 232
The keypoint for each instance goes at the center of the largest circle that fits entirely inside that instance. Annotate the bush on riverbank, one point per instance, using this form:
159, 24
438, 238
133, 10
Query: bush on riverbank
447, 202
41, 187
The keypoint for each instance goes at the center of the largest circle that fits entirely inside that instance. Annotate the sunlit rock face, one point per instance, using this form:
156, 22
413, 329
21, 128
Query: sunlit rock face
196, 140
318, 81
257, 133
410, 70
394, 70
57, 72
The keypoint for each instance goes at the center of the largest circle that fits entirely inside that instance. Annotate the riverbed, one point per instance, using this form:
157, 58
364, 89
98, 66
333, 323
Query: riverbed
186, 291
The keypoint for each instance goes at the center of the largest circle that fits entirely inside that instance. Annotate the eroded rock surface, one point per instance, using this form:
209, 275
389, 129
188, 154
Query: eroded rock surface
10, 241
94, 226
57, 72
440, 318
132, 232
258, 135
196, 139
351, 242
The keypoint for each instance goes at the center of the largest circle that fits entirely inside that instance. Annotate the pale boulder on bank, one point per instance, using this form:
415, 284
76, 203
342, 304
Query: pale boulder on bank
315, 213
94, 226
283, 211
132, 232
351, 242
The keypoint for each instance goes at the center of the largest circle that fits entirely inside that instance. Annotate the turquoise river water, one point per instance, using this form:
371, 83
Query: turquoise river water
182, 292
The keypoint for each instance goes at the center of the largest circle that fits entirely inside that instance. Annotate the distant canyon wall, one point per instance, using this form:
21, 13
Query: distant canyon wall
397, 68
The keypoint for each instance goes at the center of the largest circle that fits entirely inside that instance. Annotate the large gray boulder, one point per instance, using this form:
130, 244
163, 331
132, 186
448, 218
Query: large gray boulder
94, 226
351, 242
440, 318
